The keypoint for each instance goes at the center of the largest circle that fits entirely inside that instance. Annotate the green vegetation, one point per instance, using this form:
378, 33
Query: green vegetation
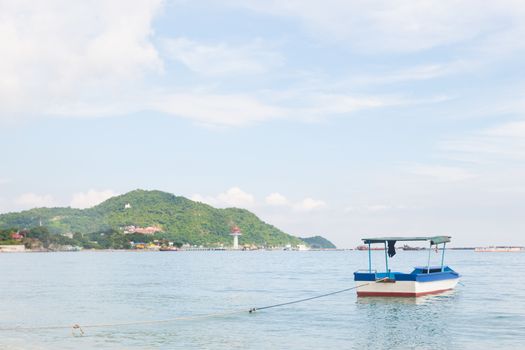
5, 237
180, 220
318, 242
36, 237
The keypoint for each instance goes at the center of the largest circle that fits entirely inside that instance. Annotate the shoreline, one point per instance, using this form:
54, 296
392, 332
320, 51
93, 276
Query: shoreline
197, 250
160, 251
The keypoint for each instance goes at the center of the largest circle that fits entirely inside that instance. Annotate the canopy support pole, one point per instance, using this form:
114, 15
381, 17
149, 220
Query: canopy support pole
386, 260
429, 251
369, 258
443, 256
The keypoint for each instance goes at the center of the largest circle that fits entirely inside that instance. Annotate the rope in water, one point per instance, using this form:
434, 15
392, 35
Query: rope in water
77, 327
311, 298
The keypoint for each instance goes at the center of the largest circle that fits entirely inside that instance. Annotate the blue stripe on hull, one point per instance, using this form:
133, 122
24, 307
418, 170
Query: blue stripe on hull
418, 275
436, 276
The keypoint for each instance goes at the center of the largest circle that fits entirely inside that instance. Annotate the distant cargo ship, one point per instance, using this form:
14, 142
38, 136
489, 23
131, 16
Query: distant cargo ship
500, 249
407, 247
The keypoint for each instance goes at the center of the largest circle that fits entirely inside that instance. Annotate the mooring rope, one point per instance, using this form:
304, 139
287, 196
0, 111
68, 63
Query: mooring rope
312, 298
80, 328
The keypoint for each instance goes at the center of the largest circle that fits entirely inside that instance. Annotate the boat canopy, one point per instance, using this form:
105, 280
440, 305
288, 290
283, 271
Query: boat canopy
433, 239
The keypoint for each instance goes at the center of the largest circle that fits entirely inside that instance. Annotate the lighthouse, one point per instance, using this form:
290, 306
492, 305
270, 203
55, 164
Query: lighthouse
235, 232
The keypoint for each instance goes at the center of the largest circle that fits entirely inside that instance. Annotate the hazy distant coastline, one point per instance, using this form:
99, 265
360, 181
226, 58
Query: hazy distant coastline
150, 220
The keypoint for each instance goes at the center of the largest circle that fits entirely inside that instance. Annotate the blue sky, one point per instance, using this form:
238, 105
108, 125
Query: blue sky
340, 118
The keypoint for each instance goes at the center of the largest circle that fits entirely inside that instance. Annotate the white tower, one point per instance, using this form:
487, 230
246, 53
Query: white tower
235, 232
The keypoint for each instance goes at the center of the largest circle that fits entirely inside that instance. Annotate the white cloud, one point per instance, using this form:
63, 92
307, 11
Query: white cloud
98, 58
309, 204
328, 104
94, 59
501, 142
442, 173
401, 25
276, 199
221, 110
233, 197
238, 110
90, 198
319, 100
85, 59
222, 59
416, 73
236, 197
33, 200
235, 110
512, 130
72, 52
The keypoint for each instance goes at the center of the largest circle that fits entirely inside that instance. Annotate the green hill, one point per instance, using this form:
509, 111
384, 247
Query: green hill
318, 242
178, 219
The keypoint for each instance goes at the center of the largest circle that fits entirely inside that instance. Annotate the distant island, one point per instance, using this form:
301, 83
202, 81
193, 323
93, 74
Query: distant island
318, 242
140, 219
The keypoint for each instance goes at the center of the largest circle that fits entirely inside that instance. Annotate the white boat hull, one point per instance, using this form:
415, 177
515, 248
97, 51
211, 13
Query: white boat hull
404, 288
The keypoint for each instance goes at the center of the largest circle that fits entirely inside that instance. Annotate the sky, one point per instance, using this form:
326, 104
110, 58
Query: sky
338, 118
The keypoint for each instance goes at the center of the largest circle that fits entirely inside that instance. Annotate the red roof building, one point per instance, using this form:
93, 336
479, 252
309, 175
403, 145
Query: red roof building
17, 236
235, 230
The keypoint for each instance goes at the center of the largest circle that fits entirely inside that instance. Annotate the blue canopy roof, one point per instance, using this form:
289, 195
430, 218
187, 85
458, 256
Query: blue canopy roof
432, 239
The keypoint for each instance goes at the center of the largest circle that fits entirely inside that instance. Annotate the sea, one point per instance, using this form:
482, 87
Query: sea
200, 300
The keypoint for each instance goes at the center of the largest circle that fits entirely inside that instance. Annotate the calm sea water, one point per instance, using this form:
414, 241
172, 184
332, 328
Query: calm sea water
40, 289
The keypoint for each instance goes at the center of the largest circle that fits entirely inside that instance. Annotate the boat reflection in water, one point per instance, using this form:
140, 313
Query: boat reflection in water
407, 323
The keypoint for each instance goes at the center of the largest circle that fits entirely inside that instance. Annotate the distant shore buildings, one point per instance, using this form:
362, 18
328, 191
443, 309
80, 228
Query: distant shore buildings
150, 230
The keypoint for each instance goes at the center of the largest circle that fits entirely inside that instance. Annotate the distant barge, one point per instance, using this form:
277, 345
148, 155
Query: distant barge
500, 249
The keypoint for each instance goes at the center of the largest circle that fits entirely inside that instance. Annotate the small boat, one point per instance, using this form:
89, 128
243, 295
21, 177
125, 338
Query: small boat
168, 249
423, 280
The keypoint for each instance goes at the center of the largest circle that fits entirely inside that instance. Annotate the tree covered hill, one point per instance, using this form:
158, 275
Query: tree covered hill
177, 218
319, 242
